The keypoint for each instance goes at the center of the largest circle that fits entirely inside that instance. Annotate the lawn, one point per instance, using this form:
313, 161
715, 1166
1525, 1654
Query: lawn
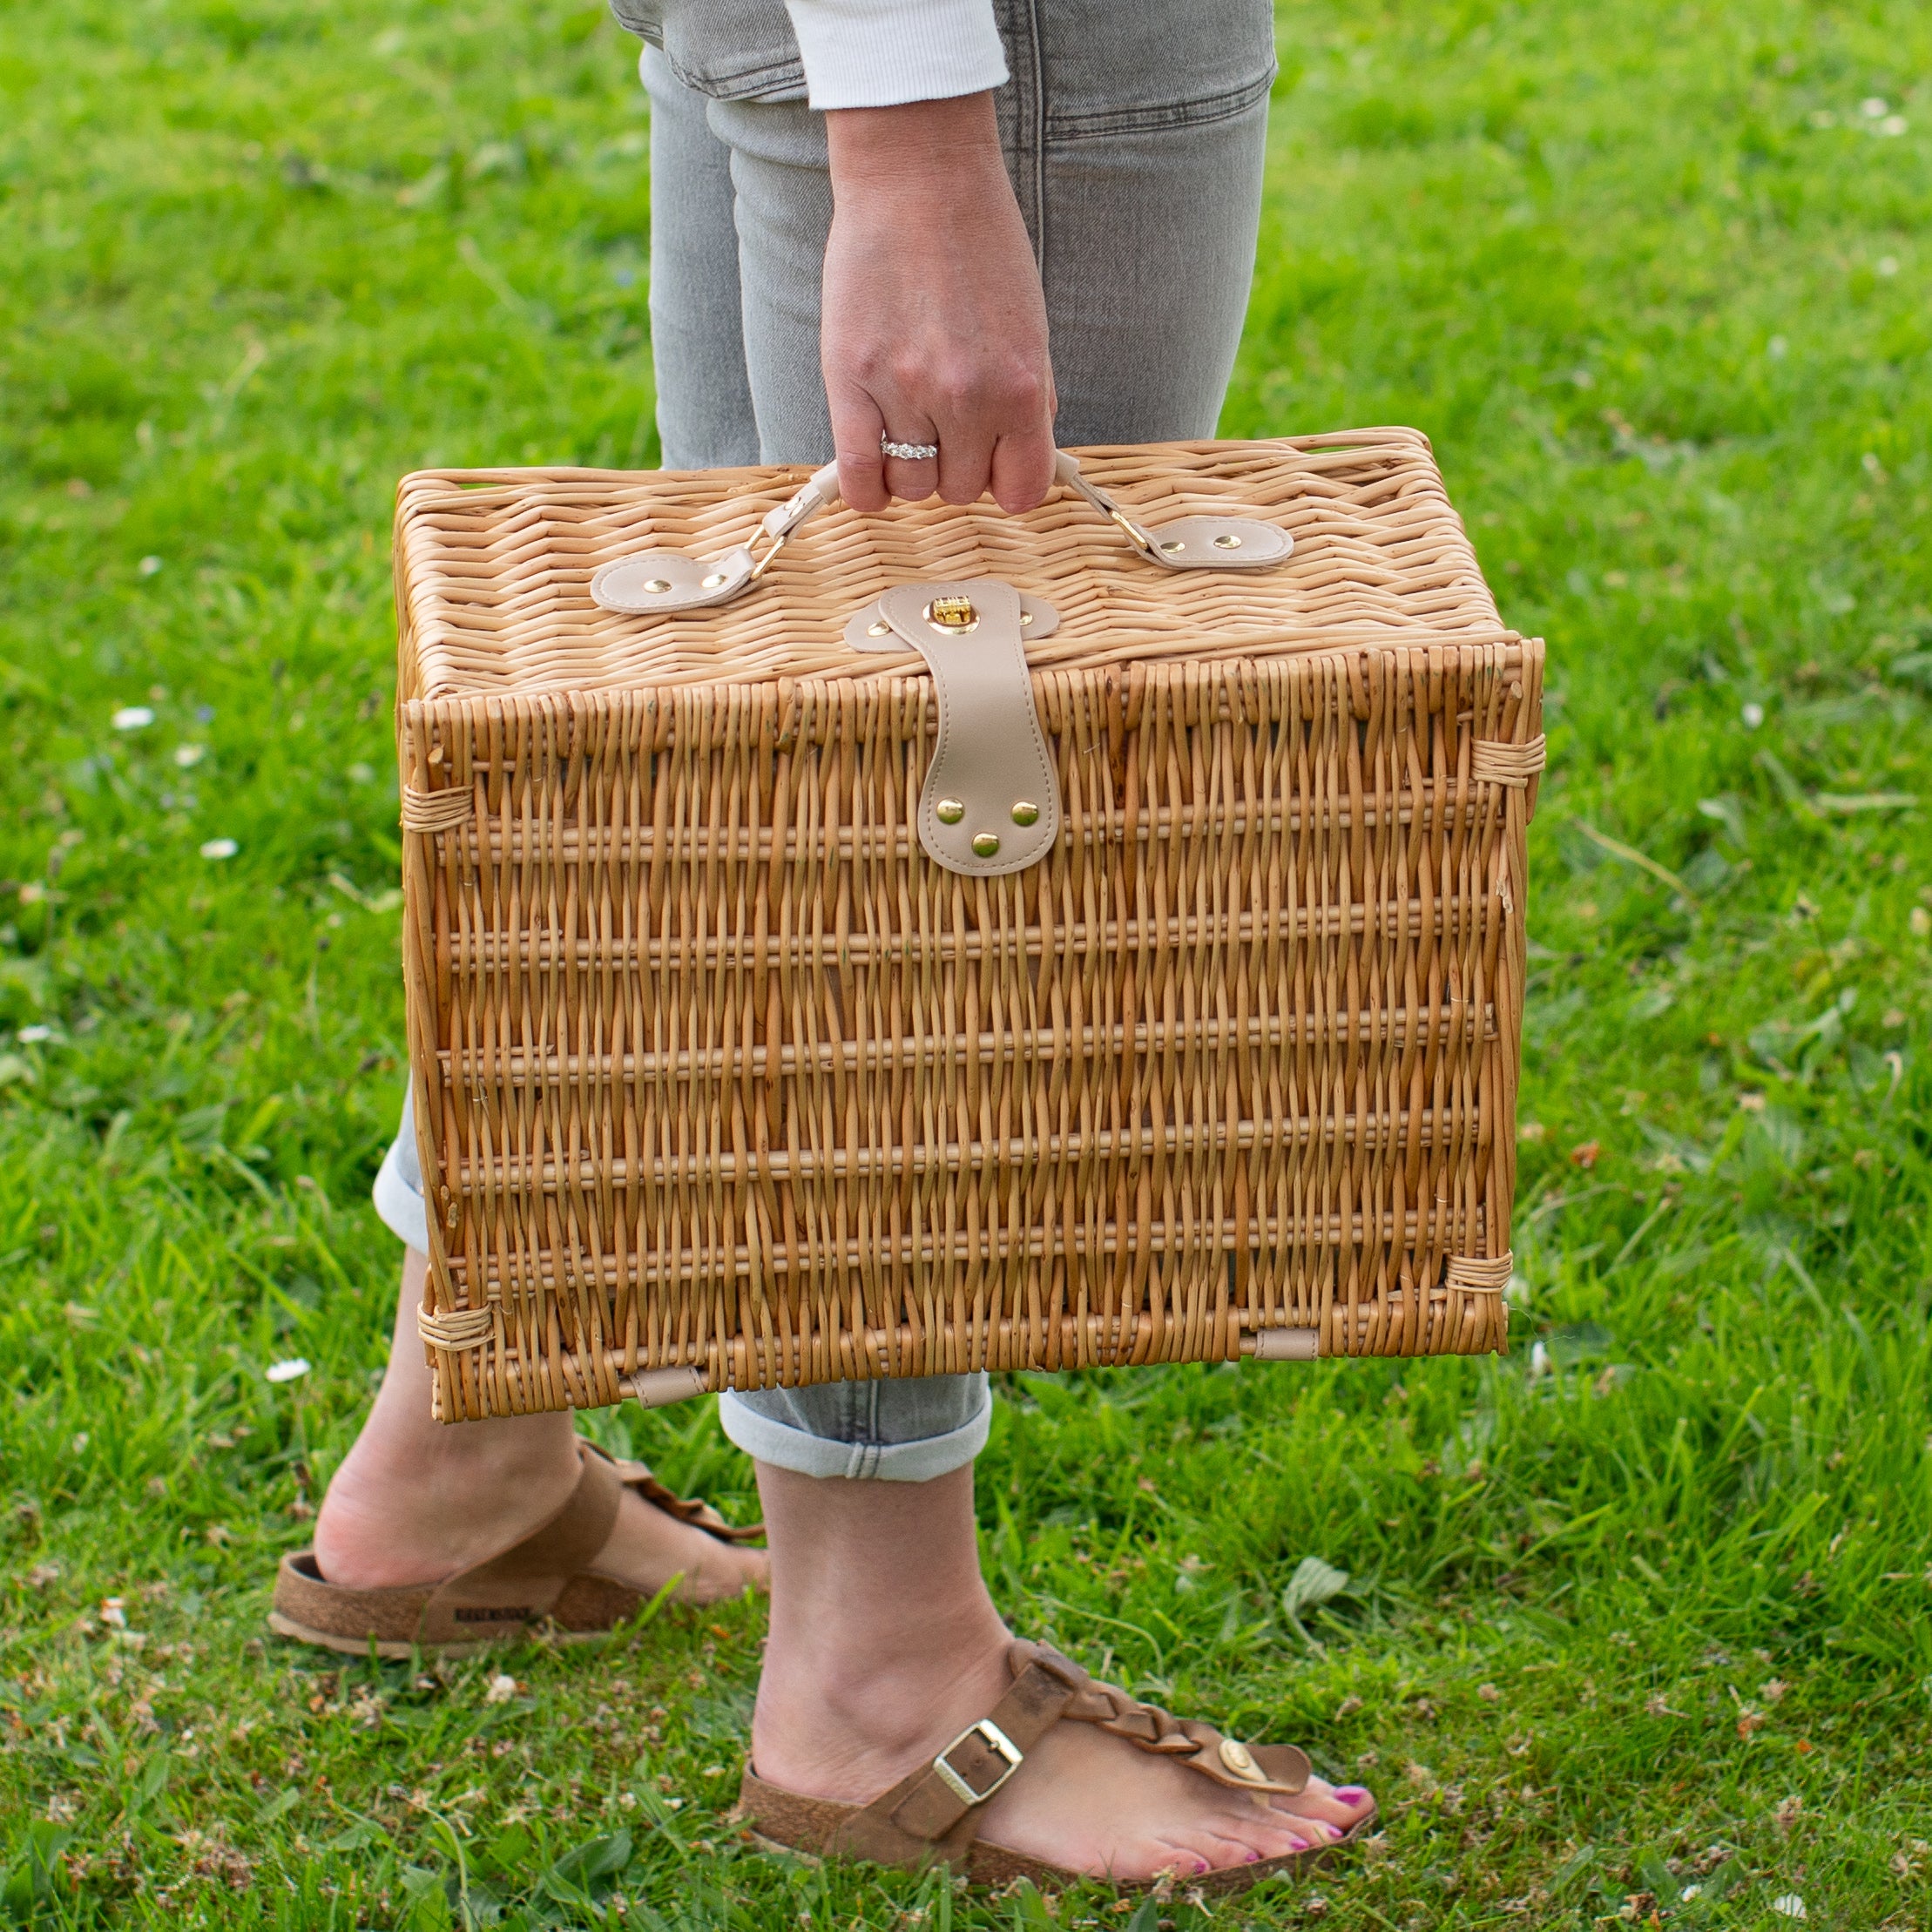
1638, 1620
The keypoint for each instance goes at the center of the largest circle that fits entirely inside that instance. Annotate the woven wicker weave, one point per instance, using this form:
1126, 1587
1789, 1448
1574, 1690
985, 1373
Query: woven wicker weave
716, 1070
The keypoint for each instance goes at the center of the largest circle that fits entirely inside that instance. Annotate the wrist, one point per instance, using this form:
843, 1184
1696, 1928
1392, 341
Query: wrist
914, 147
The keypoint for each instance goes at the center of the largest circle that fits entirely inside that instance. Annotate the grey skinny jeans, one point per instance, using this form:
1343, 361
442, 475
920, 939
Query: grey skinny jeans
1135, 137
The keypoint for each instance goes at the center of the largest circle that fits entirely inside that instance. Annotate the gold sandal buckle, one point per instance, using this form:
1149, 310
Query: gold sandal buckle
998, 1742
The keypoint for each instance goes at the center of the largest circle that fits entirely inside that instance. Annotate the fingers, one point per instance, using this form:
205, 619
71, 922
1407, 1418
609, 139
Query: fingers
991, 441
1023, 468
965, 462
857, 427
912, 479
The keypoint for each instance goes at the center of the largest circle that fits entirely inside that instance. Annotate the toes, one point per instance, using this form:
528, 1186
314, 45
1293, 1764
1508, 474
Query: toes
1316, 1830
1228, 1841
1221, 1851
1273, 1833
1324, 1805
1181, 1856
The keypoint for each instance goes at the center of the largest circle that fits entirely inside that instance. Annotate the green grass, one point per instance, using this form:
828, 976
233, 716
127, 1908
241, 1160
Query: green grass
1652, 1602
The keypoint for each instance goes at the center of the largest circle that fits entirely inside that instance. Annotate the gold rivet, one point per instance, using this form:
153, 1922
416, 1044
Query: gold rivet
1239, 1759
1026, 813
949, 811
715, 579
951, 613
1230, 542
985, 844
877, 628
1174, 545
658, 585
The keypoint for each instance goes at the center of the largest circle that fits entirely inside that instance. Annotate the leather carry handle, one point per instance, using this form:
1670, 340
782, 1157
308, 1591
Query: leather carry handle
660, 583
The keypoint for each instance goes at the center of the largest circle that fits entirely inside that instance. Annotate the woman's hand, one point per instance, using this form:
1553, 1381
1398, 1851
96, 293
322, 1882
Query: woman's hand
935, 326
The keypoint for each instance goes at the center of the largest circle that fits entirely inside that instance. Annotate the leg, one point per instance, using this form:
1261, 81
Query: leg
704, 419
1147, 256
884, 1641
416, 1501
1137, 139
783, 188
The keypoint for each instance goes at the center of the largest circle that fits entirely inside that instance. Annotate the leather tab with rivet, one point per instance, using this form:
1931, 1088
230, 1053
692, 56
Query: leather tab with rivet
661, 583
992, 802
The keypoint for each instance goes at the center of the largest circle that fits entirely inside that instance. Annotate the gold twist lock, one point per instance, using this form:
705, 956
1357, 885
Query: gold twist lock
952, 613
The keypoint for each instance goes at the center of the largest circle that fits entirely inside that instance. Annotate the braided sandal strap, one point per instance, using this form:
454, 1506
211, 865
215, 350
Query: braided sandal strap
1274, 1769
930, 1817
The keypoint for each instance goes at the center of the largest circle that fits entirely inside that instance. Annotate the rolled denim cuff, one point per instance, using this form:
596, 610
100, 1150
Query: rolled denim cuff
920, 1460
398, 1189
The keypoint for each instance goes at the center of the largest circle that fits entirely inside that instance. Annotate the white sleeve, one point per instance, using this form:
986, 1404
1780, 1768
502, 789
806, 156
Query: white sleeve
881, 53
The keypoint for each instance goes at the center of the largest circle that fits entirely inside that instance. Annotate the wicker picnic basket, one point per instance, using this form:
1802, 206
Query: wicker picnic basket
730, 1071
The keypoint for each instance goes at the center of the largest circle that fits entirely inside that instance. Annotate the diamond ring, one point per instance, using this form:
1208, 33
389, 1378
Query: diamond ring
907, 452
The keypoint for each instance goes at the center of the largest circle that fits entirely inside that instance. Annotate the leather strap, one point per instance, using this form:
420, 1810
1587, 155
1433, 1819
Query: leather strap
925, 1820
992, 802
685, 1509
1187, 543
662, 582
523, 1582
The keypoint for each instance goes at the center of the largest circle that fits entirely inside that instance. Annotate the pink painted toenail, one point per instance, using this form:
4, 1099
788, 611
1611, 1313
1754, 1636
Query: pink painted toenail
1352, 1794
1200, 1867
1298, 1844
1333, 1831
1254, 1858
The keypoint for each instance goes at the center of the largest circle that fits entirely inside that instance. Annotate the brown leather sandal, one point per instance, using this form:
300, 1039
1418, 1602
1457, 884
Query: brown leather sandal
545, 1578
929, 1818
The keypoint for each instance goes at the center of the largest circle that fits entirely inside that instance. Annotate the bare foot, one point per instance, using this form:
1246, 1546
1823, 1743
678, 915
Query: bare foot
862, 1685
1084, 1798
415, 1500
377, 1531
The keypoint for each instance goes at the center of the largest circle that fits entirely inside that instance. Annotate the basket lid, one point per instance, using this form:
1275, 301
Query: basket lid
495, 566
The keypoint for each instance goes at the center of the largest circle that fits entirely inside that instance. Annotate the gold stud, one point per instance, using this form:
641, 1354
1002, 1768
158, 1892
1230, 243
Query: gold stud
1239, 1759
985, 844
657, 586
1230, 542
951, 613
1026, 813
1026, 618
715, 579
1174, 545
949, 811
878, 628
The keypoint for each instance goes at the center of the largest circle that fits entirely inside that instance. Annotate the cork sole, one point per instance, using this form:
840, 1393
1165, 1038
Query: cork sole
392, 1649
993, 1866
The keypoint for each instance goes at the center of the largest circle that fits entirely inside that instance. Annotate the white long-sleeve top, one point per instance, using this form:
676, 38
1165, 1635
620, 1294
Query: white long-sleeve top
881, 53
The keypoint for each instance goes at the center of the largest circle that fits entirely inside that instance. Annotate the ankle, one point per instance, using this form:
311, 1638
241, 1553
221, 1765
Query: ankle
844, 1720
406, 1507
